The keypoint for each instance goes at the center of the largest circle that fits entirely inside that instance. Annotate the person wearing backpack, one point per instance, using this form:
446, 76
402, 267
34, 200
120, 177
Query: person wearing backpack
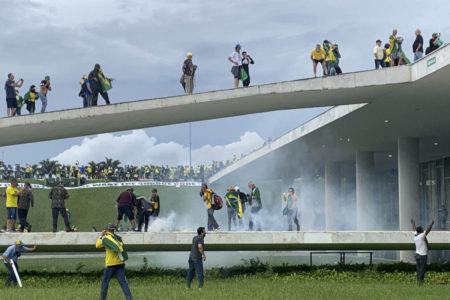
115, 259
208, 197
144, 211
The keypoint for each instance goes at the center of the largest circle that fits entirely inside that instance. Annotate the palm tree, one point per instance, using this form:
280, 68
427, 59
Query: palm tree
48, 166
109, 162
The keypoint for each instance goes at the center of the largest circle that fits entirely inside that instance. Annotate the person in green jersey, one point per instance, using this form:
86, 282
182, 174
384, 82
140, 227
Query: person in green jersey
254, 200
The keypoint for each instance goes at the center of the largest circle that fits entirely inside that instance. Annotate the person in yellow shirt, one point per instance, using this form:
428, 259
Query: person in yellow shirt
114, 263
387, 50
12, 196
208, 197
318, 56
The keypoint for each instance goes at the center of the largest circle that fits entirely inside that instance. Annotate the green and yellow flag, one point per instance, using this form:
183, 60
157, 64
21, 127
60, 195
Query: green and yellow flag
105, 82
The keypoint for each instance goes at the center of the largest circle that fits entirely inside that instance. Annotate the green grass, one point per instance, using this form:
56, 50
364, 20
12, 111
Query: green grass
96, 206
243, 287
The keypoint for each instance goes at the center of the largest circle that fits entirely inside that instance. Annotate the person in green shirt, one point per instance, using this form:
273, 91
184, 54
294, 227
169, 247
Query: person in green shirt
19, 104
291, 209
254, 200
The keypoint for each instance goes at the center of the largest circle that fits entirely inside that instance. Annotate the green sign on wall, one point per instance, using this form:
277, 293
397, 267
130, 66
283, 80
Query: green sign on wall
431, 61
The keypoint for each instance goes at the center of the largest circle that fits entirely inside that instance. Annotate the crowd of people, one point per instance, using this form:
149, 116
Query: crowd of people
111, 171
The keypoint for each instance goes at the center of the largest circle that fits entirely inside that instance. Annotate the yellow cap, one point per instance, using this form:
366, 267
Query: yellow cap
189, 54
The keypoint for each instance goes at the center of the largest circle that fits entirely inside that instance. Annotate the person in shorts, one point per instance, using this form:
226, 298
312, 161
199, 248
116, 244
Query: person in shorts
236, 59
126, 204
10, 88
318, 56
12, 197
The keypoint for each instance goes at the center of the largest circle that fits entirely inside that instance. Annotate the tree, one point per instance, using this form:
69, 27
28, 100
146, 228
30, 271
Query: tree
109, 162
48, 166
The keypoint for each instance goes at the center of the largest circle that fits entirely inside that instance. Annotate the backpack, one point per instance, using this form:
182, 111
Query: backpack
218, 203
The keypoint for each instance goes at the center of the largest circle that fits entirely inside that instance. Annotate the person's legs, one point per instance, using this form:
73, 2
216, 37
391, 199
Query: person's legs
199, 269
246, 82
105, 96
22, 218
55, 219
44, 102
236, 82
210, 213
129, 213
146, 220
256, 218
11, 278
289, 219
418, 55
33, 107
120, 275
107, 274
187, 84
422, 267
233, 219
324, 68
377, 63
12, 217
66, 219
229, 213
315, 69
190, 274
94, 98
296, 222
85, 101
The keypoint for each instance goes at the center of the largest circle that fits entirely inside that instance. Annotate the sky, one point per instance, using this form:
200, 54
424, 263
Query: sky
142, 44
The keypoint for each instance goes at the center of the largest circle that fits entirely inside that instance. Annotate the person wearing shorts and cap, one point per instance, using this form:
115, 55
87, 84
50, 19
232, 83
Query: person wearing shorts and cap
114, 261
236, 59
10, 256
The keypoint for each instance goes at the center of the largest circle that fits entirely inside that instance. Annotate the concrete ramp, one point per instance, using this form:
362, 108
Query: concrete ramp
234, 241
349, 88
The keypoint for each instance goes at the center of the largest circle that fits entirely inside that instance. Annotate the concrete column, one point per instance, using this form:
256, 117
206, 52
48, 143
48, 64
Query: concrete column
332, 187
365, 208
408, 187
408, 182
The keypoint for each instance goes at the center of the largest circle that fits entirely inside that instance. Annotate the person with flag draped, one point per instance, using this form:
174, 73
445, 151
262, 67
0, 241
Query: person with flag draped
398, 56
331, 59
242, 198
234, 207
100, 84
115, 258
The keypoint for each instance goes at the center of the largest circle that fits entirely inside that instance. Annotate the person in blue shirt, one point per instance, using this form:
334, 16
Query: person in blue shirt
10, 257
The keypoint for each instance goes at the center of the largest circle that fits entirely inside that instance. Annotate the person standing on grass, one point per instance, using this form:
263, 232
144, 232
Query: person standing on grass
422, 248
196, 258
58, 194
10, 257
23, 206
236, 59
45, 88
12, 197
115, 257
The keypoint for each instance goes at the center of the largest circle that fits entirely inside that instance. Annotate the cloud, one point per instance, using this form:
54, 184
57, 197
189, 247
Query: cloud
138, 148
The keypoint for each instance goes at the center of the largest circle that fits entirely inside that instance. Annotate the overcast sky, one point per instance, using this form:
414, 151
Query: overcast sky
142, 44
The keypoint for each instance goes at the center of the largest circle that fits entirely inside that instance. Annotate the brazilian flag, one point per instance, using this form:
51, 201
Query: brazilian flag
105, 82
114, 243
244, 75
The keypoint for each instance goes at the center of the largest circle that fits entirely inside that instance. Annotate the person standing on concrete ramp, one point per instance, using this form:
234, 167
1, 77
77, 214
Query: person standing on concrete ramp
254, 199
196, 258
59, 195
422, 248
208, 197
233, 206
100, 84
236, 59
45, 88
291, 209
187, 79
23, 206
246, 62
126, 204
115, 258
10, 257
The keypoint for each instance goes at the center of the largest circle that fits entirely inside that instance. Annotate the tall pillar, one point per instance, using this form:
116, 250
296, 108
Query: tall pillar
408, 182
408, 187
332, 187
365, 208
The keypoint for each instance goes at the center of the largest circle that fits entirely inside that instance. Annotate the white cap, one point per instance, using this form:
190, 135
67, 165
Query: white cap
236, 188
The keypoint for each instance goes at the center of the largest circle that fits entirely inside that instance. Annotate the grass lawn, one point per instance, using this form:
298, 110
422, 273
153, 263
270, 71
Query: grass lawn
242, 287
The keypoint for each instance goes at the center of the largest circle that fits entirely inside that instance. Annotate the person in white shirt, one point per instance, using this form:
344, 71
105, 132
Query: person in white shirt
236, 59
378, 52
420, 239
